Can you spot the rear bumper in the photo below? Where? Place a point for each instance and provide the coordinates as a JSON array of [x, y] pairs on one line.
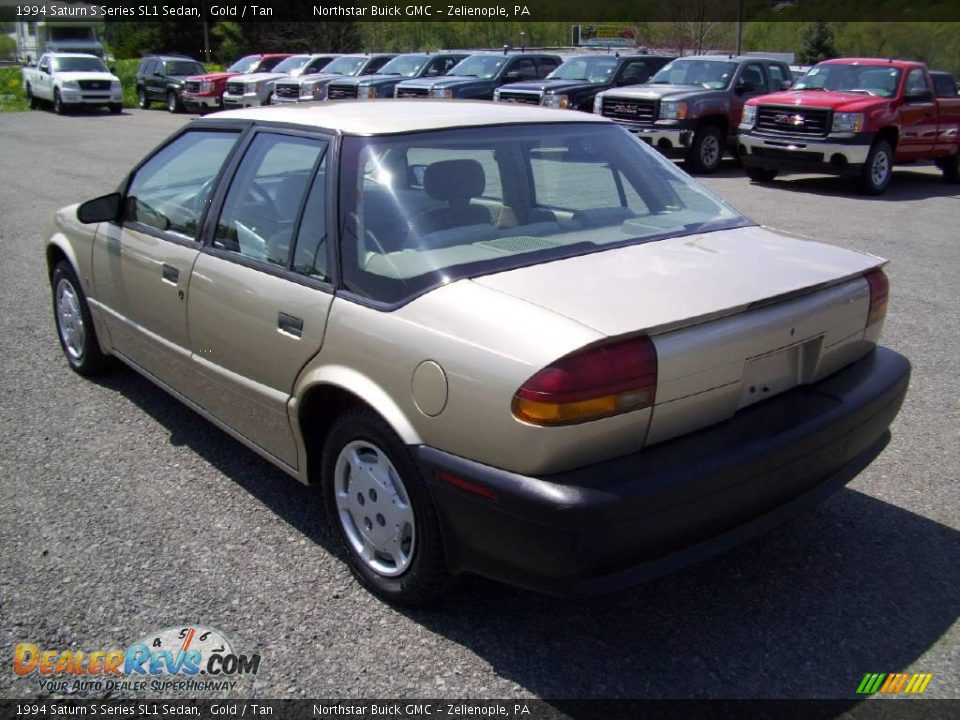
[[624, 521], [840, 156]]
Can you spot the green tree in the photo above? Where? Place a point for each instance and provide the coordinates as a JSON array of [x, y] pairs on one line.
[[8, 47], [818, 44]]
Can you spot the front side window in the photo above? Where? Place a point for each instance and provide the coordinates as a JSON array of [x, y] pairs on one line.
[[525, 68], [427, 208], [171, 190], [704, 73], [916, 82], [777, 78], [753, 73], [546, 66], [261, 207], [268, 64], [440, 66], [635, 72]]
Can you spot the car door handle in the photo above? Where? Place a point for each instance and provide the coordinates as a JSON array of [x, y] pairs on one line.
[[290, 325], [170, 273]]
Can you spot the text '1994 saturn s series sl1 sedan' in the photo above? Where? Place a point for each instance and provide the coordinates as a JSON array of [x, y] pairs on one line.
[[505, 340]]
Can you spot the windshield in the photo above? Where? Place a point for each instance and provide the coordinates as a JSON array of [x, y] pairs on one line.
[[245, 65], [423, 209], [184, 67], [78, 64], [879, 80], [292, 64], [405, 65], [481, 66], [598, 71], [345, 66], [704, 73]]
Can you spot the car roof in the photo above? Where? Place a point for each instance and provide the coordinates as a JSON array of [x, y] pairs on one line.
[[154, 56], [729, 58], [66, 54], [873, 61], [513, 53], [364, 118]]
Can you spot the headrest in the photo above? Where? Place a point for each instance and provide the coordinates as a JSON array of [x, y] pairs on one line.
[[454, 180]]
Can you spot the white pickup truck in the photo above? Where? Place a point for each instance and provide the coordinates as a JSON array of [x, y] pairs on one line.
[[70, 80]]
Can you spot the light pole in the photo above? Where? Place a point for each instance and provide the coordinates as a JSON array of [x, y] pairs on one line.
[[740, 27], [523, 38]]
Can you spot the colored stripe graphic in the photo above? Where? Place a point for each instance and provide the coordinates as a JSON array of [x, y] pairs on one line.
[[894, 683]]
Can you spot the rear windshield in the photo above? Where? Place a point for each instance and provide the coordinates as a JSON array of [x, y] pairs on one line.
[[704, 73], [423, 209], [590, 69], [78, 64], [880, 80]]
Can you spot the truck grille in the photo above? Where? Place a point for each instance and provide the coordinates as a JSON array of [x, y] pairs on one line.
[[412, 92], [235, 88], [94, 84], [191, 86], [287, 91], [643, 112], [516, 96], [340, 92], [793, 120]]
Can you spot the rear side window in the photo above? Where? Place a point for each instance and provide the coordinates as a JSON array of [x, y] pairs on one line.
[[375, 65], [268, 64], [944, 85], [260, 211], [777, 78], [170, 191]]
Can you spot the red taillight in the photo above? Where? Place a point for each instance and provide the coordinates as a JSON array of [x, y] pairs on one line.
[[879, 292], [590, 384]]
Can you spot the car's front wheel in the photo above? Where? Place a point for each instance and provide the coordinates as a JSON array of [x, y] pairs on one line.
[[58, 105], [706, 151], [380, 509], [31, 99], [757, 174], [877, 170], [78, 338]]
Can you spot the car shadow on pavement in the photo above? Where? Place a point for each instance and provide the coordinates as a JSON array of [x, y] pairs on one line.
[[857, 585], [905, 185]]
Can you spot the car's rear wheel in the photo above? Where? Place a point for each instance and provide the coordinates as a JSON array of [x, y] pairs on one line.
[[877, 170], [143, 102], [173, 102], [757, 174], [706, 151], [116, 108], [78, 338], [381, 511], [951, 168], [58, 105]]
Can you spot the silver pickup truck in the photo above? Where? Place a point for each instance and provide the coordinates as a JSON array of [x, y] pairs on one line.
[[71, 80]]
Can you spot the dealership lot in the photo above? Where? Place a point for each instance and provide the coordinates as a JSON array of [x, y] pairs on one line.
[[124, 513]]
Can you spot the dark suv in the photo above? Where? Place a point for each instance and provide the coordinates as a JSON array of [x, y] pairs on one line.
[[692, 106], [160, 78], [576, 83], [479, 75]]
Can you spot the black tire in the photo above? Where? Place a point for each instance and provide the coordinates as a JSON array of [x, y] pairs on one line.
[[83, 355], [706, 151], [116, 108], [173, 102], [32, 101], [877, 170], [757, 174], [951, 168], [425, 576], [59, 107], [143, 100]]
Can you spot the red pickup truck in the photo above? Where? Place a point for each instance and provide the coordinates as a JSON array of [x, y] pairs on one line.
[[855, 117], [205, 92]]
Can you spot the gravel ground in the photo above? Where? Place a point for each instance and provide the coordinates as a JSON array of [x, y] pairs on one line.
[[122, 512]]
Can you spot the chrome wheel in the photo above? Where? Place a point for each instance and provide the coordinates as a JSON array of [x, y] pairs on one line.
[[710, 151], [374, 508], [880, 169], [70, 320]]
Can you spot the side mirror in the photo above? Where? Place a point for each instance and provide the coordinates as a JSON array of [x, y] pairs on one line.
[[919, 96], [102, 209], [156, 73], [786, 85], [512, 75], [745, 86]]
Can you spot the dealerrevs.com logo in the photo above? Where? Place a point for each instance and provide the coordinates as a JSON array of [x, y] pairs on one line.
[[189, 658]]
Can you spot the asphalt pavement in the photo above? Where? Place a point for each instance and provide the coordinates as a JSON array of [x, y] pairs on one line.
[[122, 512]]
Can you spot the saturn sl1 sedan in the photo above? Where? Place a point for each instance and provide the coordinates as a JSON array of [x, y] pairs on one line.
[[504, 340]]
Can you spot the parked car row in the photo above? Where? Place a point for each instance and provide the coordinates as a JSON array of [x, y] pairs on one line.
[[855, 117]]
